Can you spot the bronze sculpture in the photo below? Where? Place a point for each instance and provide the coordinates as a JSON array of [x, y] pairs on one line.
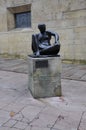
[[41, 42]]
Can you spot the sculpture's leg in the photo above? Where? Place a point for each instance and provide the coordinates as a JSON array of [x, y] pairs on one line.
[[34, 44], [52, 50]]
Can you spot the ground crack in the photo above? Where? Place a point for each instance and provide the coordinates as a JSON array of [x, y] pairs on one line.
[[80, 120], [60, 117]]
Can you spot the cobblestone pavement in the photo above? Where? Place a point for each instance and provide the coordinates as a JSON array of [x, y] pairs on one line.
[[20, 111]]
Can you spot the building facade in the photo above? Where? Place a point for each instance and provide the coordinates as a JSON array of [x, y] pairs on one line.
[[19, 20]]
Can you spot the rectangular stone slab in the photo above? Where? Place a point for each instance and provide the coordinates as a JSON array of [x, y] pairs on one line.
[[44, 76]]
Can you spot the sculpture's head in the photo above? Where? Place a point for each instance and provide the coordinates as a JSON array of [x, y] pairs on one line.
[[42, 28]]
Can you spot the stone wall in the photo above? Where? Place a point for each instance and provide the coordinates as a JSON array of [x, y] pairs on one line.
[[66, 17]]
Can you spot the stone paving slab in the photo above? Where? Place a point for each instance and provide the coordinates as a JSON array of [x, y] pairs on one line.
[[57, 113], [15, 65], [20, 111], [36, 128], [74, 71], [69, 71], [83, 122]]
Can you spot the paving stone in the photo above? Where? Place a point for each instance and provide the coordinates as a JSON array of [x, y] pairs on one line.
[[20, 125], [17, 65], [69, 73], [7, 128], [57, 113], [4, 117], [31, 101], [3, 104], [56, 104], [82, 67], [44, 120], [9, 63], [83, 122], [12, 80], [10, 123], [25, 120], [15, 107], [51, 111], [78, 74], [21, 68], [18, 117], [83, 77], [75, 91], [36, 128], [31, 112], [20, 65], [68, 120], [7, 97]]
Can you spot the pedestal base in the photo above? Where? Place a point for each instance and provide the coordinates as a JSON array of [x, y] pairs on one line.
[[44, 75]]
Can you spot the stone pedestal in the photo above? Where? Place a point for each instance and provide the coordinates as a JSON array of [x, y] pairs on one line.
[[44, 75]]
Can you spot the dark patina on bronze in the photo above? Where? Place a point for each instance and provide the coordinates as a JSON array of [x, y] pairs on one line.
[[41, 43]]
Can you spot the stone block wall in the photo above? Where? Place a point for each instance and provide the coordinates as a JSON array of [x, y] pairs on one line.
[[66, 17]]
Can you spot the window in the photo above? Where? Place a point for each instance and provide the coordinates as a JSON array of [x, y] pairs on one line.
[[19, 17], [23, 20]]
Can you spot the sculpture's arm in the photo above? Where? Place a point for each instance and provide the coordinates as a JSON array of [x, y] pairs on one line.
[[56, 36]]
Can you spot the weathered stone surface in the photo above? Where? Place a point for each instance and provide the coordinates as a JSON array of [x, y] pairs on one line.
[[29, 113], [36, 128], [10, 123], [20, 125], [44, 81], [63, 121], [67, 112], [66, 17], [4, 116], [83, 122]]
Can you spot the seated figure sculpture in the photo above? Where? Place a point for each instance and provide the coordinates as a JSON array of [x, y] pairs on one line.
[[41, 42]]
